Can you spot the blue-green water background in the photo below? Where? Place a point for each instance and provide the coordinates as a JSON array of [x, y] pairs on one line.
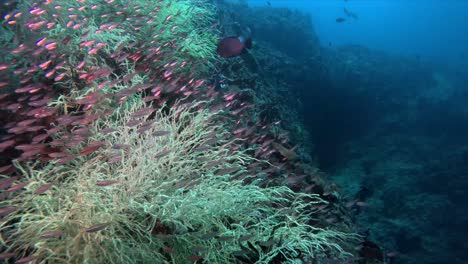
[[434, 29]]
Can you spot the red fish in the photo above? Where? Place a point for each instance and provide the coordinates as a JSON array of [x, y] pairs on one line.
[[92, 147], [230, 47]]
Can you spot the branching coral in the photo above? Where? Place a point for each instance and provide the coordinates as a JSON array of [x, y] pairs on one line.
[[159, 190], [154, 178]]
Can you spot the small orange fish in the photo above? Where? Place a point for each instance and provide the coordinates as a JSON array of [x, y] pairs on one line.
[[51, 45], [87, 44], [41, 41]]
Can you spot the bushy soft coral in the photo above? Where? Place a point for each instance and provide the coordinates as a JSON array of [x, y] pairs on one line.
[[163, 181]]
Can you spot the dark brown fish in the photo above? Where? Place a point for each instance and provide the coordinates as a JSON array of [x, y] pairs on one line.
[[34, 128], [103, 72], [89, 99], [144, 128], [114, 159], [161, 133], [267, 243], [227, 171], [39, 103], [81, 131], [128, 77], [92, 147], [168, 250], [124, 93], [7, 255], [209, 235], [7, 210], [133, 123], [121, 146], [17, 187], [7, 144], [39, 138], [194, 258], [143, 112], [65, 159], [67, 119], [42, 189], [52, 234], [26, 122], [143, 86], [340, 20], [26, 147], [6, 182], [57, 154], [54, 130], [162, 153], [245, 238], [106, 131], [5, 168], [96, 228], [225, 238], [149, 98], [106, 182], [198, 249], [25, 259]]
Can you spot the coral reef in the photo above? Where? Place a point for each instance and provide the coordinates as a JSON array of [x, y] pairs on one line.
[[117, 148], [146, 195]]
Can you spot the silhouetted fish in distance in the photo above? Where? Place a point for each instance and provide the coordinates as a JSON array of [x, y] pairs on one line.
[[340, 20], [350, 14], [234, 46]]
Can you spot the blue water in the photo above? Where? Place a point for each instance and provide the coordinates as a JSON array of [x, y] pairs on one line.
[[388, 116], [433, 29]]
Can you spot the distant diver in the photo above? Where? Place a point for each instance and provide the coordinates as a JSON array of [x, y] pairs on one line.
[[350, 14], [268, 3], [234, 46], [340, 20]]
